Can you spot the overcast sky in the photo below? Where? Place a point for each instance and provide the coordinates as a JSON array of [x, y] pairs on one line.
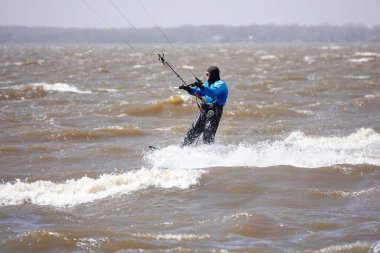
[[173, 13]]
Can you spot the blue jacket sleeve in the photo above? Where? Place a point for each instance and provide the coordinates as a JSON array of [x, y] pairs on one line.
[[218, 91], [196, 90], [215, 91]]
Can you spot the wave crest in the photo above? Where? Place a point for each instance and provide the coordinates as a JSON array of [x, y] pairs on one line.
[[74, 192], [37, 90], [298, 149]]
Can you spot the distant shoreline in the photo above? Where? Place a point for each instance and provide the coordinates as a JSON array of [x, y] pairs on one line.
[[192, 34]]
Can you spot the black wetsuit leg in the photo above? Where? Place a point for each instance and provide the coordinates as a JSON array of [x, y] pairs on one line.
[[212, 125], [195, 130], [207, 126]]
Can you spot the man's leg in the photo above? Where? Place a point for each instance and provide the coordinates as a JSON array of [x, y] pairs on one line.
[[212, 125], [195, 130]]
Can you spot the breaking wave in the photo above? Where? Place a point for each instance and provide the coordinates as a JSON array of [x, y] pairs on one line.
[[74, 192], [175, 167], [37, 90], [61, 87], [346, 194], [298, 149]]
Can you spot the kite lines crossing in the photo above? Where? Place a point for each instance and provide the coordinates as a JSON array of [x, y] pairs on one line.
[[122, 37]]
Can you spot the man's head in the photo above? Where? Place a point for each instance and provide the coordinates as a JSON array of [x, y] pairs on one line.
[[213, 74]]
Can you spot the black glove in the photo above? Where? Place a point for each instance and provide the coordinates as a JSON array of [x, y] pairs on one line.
[[198, 83], [185, 87]]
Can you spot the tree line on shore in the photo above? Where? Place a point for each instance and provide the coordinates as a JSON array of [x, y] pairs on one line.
[[192, 34]]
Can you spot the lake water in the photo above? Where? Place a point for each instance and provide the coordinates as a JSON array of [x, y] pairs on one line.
[[296, 165]]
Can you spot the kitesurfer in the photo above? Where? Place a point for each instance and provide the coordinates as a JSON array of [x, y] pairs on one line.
[[213, 94]]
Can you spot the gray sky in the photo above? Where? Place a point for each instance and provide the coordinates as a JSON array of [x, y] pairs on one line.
[[171, 13]]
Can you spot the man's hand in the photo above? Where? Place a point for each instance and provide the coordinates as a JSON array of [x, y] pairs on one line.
[[198, 83], [185, 87]]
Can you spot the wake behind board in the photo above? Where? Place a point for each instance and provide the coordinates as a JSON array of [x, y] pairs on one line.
[[153, 148]]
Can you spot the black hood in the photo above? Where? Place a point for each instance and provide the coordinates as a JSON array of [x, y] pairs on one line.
[[214, 74]]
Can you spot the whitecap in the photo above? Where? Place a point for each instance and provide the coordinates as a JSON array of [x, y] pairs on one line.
[[332, 47], [298, 149], [176, 167], [309, 59], [372, 96], [78, 191], [105, 90], [305, 112], [349, 247], [60, 87], [172, 237], [367, 54], [361, 60], [187, 67], [357, 77], [268, 57]]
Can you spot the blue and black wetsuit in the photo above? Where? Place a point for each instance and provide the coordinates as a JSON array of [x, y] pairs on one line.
[[215, 93]]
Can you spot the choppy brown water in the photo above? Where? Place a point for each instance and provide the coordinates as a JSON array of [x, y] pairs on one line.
[[296, 167]]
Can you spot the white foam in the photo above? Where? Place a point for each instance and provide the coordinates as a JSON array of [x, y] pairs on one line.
[[268, 57], [187, 67], [367, 54], [74, 192], [354, 194], [175, 167], [372, 96], [334, 47], [298, 149], [308, 59], [188, 99], [61, 87], [106, 90], [376, 247], [172, 237], [305, 112], [350, 247], [357, 77], [361, 60]]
